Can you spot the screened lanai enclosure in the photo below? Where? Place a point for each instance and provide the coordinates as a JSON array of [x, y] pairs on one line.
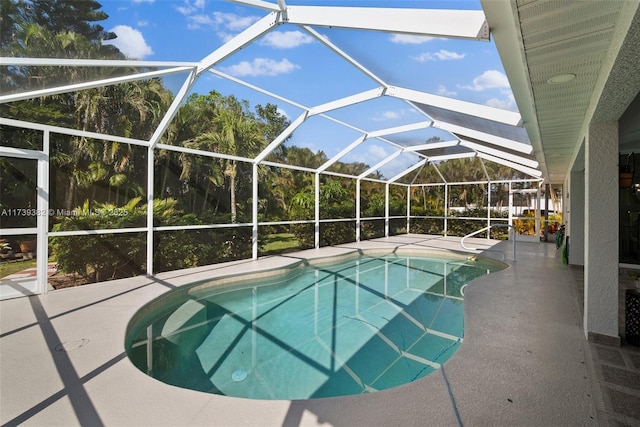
[[257, 128]]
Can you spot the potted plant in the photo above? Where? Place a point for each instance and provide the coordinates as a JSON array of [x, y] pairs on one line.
[[5, 250], [626, 172], [27, 246]]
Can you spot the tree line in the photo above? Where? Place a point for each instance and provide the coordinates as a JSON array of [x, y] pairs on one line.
[[189, 189]]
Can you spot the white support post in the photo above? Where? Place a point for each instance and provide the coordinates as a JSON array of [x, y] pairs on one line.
[[316, 228], [489, 209], [538, 211], [254, 215], [601, 233], [408, 208], [42, 224], [150, 178], [386, 210], [511, 209], [574, 214], [446, 207], [358, 210]]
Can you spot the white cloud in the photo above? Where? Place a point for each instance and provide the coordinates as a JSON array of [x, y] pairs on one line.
[[392, 115], [144, 23], [441, 55], [185, 10], [442, 90], [409, 39], [226, 25], [286, 39], [225, 37], [282, 112], [195, 22], [375, 154], [233, 22], [130, 42], [490, 79], [507, 103], [261, 67], [190, 7]]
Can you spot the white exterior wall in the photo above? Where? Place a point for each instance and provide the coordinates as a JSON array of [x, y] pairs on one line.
[[576, 217], [601, 230]]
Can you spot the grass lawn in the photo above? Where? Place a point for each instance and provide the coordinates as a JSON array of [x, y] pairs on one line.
[[280, 243], [7, 268]]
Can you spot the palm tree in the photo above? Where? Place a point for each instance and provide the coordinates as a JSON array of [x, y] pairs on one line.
[[233, 131]]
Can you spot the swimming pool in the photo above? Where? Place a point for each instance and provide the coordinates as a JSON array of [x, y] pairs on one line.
[[349, 326]]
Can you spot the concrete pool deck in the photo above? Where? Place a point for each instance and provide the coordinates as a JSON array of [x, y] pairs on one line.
[[524, 359]]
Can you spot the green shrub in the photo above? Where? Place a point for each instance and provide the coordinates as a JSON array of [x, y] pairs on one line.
[[102, 257]]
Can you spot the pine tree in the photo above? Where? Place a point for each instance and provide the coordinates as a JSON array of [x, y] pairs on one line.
[[74, 16]]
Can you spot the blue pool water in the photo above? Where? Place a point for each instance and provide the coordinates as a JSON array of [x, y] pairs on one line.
[[356, 326]]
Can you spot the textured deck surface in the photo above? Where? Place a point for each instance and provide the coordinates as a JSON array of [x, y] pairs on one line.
[[524, 359]]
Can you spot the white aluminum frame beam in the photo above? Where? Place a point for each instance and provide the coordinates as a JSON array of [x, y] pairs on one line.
[[253, 32], [256, 88], [173, 108], [344, 151], [280, 138], [477, 110], [462, 24], [72, 132], [433, 145], [92, 84], [379, 164], [486, 174], [375, 134], [204, 153], [343, 54], [416, 177], [498, 153], [22, 153], [451, 156], [513, 165], [408, 170], [400, 129], [459, 131], [347, 101], [80, 62], [259, 4], [292, 167]]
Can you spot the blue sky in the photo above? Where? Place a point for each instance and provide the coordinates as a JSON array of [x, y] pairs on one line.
[[291, 63]]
